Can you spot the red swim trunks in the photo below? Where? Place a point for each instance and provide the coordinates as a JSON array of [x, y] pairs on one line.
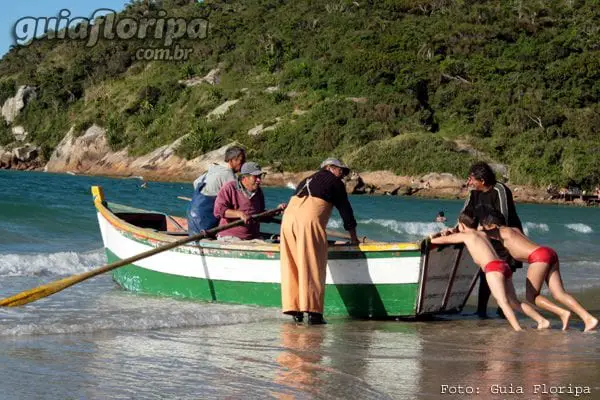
[[498, 266], [543, 254]]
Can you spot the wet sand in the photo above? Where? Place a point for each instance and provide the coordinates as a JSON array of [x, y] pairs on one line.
[[451, 357]]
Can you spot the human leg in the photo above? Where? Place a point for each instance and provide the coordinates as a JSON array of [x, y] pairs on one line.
[[496, 283], [557, 289], [536, 274], [483, 296], [524, 308], [289, 269]]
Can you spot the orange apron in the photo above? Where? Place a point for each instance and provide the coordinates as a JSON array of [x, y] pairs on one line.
[[304, 254]]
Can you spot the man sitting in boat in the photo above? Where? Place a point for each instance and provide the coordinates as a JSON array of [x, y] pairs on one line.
[[241, 199], [206, 187], [304, 240]]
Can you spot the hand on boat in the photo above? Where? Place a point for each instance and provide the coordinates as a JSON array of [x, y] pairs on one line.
[[282, 206]]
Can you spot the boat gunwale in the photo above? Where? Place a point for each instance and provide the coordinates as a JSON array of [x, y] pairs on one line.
[[159, 237]]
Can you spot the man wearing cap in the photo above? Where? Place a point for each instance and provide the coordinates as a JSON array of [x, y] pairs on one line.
[[304, 240], [241, 199], [206, 187]]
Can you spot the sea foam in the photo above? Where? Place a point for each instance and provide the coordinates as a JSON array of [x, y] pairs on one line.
[[49, 264], [532, 226], [581, 228]]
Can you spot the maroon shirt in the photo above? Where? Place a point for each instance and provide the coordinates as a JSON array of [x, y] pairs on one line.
[[233, 197]]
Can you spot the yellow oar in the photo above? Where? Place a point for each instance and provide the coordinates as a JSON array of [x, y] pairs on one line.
[[332, 233], [39, 292]]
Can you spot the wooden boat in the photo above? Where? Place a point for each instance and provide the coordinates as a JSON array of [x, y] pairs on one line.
[[368, 280]]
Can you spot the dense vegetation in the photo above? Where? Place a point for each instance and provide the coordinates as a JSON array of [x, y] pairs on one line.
[[516, 80]]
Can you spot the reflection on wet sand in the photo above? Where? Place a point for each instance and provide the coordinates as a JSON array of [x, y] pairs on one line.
[[356, 359], [489, 361], [300, 358]]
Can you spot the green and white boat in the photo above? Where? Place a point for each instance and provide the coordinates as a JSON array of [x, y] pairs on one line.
[[369, 280]]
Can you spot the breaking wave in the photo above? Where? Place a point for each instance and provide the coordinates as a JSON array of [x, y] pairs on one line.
[[407, 227], [113, 314], [50, 264], [581, 228], [532, 226]]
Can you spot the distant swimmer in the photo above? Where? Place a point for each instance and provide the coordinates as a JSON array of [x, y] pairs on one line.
[[543, 266], [497, 272], [440, 217], [144, 185]]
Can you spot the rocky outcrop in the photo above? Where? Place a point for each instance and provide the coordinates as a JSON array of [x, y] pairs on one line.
[[13, 105], [19, 133], [212, 78], [259, 129], [5, 158], [271, 89], [91, 154], [80, 154], [355, 184], [26, 157], [221, 110]]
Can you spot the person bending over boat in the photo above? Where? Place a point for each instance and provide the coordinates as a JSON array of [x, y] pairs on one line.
[[497, 272], [487, 194], [200, 211], [543, 266], [304, 240], [241, 199]]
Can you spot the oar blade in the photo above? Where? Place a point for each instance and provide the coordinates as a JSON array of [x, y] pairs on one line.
[[39, 292]]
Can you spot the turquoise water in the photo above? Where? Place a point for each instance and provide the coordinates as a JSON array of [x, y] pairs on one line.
[[52, 216], [108, 343]]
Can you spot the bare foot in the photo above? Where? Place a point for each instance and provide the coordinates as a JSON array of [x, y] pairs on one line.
[[565, 320], [591, 324], [543, 324]]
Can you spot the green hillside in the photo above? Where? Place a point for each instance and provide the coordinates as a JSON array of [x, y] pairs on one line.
[[385, 84]]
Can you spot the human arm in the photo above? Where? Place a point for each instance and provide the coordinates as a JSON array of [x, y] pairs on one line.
[[233, 214], [342, 203], [225, 205], [353, 236], [445, 232], [448, 239]]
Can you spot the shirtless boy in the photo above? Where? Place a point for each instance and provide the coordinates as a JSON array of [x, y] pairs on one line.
[[497, 272], [543, 266]]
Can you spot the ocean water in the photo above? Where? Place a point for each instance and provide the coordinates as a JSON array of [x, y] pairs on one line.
[[95, 340]]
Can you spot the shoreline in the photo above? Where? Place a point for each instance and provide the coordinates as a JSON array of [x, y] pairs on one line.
[[369, 183]]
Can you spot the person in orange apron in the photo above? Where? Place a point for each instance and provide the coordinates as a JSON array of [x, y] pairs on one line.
[[304, 240]]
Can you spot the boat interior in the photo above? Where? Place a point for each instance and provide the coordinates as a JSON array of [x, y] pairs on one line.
[[171, 225]]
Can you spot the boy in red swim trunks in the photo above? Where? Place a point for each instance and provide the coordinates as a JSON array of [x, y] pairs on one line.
[[543, 265], [497, 272]]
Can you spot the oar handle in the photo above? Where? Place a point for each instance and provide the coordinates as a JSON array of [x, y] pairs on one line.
[[39, 292]]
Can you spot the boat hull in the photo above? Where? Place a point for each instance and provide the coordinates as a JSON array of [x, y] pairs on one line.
[[361, 300], [371, 280]]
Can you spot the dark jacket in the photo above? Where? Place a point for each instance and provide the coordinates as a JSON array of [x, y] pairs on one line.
[[498, 198]]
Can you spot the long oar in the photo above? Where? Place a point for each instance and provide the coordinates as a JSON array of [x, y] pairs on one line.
[[39, 292], [332, 233]]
